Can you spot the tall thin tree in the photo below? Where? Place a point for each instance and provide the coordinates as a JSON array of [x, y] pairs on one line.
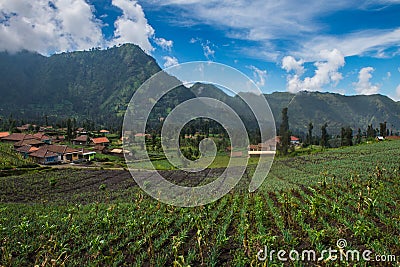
[[284, 132], [309, 135], [324, 135]]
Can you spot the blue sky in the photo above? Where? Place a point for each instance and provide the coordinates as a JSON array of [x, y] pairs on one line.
[[347, 47]]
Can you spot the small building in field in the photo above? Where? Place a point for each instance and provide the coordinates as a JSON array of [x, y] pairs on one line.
[[104, 132], [81, 140], [100, 141], [44, 156], [263, 149], [118, 152], [294, 140], [66, 154], [87, 154]]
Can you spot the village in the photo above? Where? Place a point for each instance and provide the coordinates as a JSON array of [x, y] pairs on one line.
[[49, 145]]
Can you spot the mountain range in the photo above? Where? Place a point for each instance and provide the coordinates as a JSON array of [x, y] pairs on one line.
[[97, 85]]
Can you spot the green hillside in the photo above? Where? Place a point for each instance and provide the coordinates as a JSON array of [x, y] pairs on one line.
[[336, 110], [97, 85], [91, 84]]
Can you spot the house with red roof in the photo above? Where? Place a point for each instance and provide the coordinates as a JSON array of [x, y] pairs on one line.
[[293, 140], [100, 141], [4, 134], [44, 156]]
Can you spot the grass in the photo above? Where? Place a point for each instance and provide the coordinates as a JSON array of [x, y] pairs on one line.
[[9, 159], [220, 161], [95, 217]]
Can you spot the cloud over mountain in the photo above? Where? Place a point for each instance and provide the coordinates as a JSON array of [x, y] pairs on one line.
[[55, 26], [326, 72], [364, 86]]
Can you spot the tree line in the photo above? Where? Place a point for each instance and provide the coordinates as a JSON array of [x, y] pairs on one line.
[[325, 140]]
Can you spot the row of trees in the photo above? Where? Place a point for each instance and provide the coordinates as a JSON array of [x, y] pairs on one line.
[[346, 135]]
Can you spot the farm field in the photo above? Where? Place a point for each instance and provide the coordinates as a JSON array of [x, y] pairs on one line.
[[80, 217]]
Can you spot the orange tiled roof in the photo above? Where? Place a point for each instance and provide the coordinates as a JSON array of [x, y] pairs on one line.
[[4, 134], [100, 140]]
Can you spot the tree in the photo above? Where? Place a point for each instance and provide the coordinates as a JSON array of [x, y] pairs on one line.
[[342, 136], [324, 135], [370, 132], [358, 136], [284, 132], [69, 130], [382, 129], [309, 138], [348, 136]]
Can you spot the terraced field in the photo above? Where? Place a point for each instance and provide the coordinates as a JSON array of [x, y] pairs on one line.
[[78, 217]]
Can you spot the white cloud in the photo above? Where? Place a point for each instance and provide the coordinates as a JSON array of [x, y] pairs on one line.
[[193, 40], [208, 52], [67, 25], [170, 61], [364, 86], [132, 26], [164, 44], [259, 75], [48, 26], [357, 43], [264, 21], [289, 63], [326, 72], [387, 77], [207, 46]]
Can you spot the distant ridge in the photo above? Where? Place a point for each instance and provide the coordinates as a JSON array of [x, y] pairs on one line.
[[96, 85]]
